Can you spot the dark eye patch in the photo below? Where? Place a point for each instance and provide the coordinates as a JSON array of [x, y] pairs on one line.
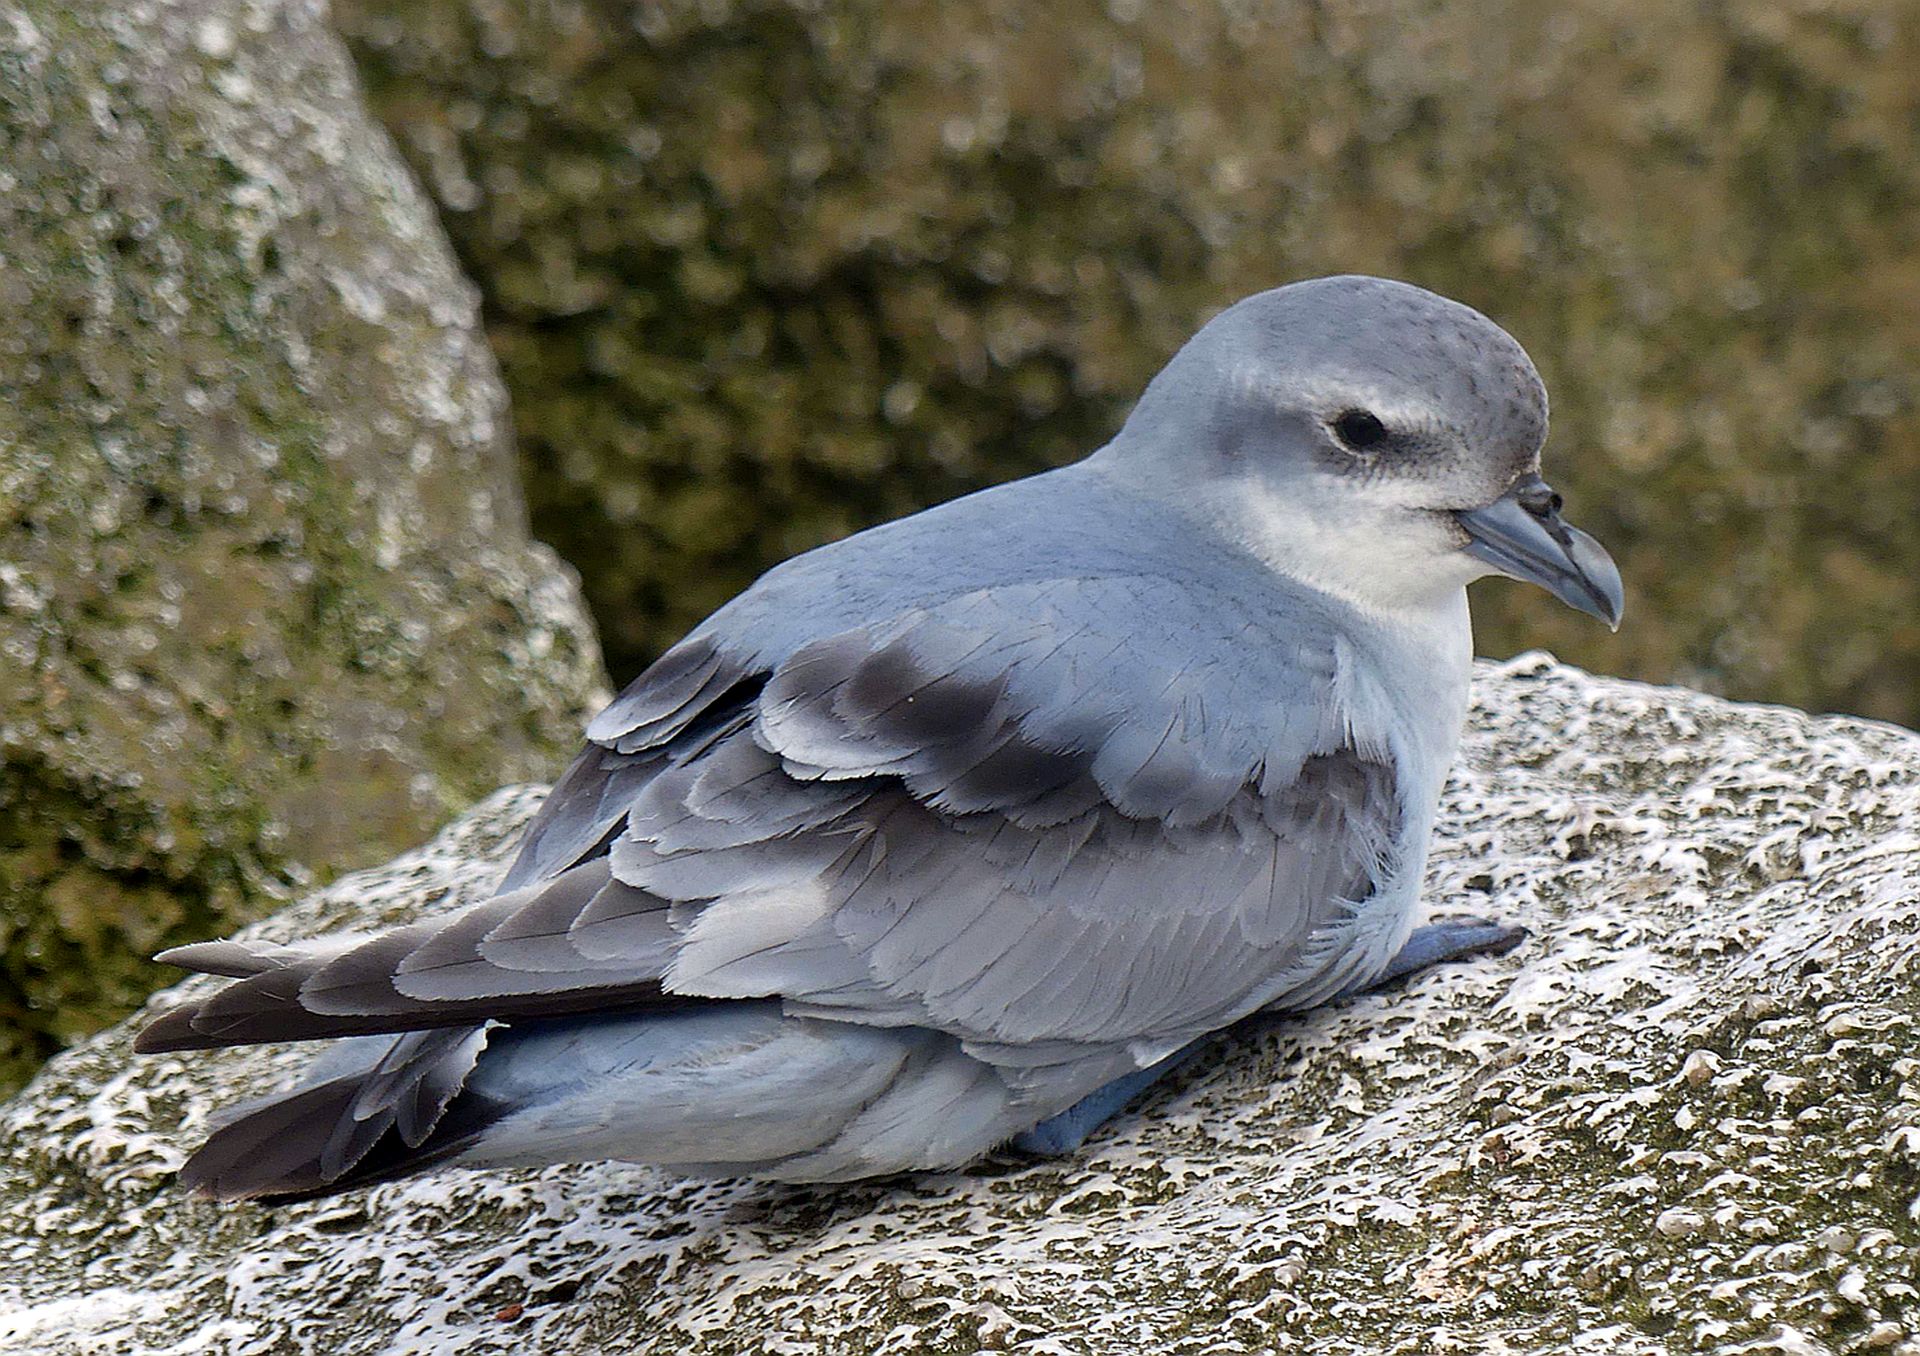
[[1361, 431]]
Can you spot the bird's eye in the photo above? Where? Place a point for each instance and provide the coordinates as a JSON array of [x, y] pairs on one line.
[[1360, 431]]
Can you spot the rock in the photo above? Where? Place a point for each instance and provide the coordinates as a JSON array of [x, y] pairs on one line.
[[1480, 1162], [763, 271], [268, 606]]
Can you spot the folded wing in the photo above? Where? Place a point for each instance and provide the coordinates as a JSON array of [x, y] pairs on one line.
[[1080, 810]]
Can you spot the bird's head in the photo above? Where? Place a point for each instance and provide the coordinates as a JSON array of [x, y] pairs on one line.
[[1367, 436]]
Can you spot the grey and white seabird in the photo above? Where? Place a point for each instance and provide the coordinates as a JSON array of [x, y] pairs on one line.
[[961, 830]]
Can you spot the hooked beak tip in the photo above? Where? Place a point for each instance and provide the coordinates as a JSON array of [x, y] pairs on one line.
[[1522, 536]]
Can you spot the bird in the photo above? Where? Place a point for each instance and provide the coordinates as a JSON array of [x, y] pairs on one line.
[[959, 832]]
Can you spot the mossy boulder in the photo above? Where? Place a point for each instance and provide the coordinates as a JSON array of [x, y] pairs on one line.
[[1681, 1118], [268, 605], [763, 271]]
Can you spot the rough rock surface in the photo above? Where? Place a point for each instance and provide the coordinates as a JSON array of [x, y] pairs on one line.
[[761, 271], [1684, 1117], [268, 606]]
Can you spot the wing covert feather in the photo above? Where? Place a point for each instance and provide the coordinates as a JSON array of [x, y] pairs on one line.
[[1079, 810]]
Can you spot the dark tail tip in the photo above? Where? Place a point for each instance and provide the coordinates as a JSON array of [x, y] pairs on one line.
[[288, 1148], [272, 1149]]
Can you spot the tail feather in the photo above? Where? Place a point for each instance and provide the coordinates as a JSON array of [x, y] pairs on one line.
[[385, 1121], [269, 1147]]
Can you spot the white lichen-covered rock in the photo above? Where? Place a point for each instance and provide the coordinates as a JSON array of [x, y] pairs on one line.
[[1684, 1117]]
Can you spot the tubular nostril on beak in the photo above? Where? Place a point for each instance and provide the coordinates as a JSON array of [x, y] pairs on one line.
[[1537, 497]]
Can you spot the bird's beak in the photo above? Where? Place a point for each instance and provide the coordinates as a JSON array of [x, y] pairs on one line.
[[1522, 536]]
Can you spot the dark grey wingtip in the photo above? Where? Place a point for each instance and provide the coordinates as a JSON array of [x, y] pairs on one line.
[[235, 960], [171, 1031]]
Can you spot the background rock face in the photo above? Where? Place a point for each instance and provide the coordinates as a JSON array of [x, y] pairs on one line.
[[268, 607], [761, 272], [1682, 1118]]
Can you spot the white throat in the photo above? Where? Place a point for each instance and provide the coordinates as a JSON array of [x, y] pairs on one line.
[[1388, 565]]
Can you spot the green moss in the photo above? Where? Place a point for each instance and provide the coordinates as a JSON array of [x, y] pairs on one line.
[[267, 609], [764, 272], [89, 893]]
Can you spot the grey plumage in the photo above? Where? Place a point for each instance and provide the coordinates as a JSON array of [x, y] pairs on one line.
[[936, 830]]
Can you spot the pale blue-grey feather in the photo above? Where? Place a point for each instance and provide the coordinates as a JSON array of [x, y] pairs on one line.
[[906, 888], [407, 1090]]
